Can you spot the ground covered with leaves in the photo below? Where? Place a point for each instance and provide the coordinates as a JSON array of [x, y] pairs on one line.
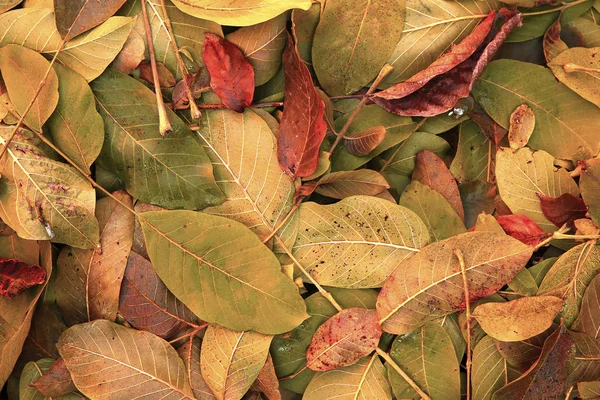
[[338, 199]]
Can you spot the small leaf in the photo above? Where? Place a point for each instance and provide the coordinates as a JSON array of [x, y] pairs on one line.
[[343, 339], [588, 390], [34, 370], [302, 126], [588, 320], [590, 188], [190, 354], [518, 319], [522, 228], [362, 143], [231, 75], [429, 284], [564, 209], [143, 364], [16, 276], [76, 17], [522, 123], [230, 360], [56, 381], [339, 185]]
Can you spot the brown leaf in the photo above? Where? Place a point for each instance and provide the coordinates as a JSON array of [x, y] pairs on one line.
[[189, 352], [302, 127], [74, 17], [343, 339], [430, 170], [362, 143], [267, 381], [56, 381], [490, 128], [16, 276], [451, 77], [553, 44], [586, 226], [523, 354], [522, 122], [522, 228], [132, 53], [147, 304], [342, 184], [198, 83], [165, 77], [231, 75], [564, 209], [547, 378]]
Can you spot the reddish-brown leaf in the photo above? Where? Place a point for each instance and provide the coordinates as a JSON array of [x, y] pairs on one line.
[[165, 77], [56, 381], [522, 228], [492, 131], [16, 276], [343, 339], [267, 381], [562, 210], [431, 170], [437, 88], [302, 127], [231, 75], [362, 143]]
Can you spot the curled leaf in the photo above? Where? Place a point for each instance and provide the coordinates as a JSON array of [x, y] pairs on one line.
[[16, 276]]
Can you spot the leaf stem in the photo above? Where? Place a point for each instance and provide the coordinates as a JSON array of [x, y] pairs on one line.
[[564, 6], [194, 111], [163, 117], [571, 67], [190, 334], [283, 221], [560, 234], [385, 71], [403, 374], [256, 105], [463, 271]]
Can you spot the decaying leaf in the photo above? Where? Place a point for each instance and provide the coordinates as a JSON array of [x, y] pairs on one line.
[[16, 276], [56, 381], [522, 123]]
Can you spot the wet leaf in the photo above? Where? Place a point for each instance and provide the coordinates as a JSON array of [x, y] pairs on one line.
[[231, 75], [362, 143], [522, 123], [564, 209], [302, 126], [16, 276], [339, 185], [56, 381], [588, 320], [429, 284], [522, 228], [590, 188]]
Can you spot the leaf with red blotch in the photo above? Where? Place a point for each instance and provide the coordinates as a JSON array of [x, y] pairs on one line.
[[564, 209], [437, 88], [302, 127], [343, 339], [431, 170], [56, 381], [16, 276], [522, 228], [231, 75]]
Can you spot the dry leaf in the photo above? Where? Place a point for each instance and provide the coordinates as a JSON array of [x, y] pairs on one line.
[[522, 122], [522, 228], [564, 209], [56, 381], [362, 143], [16, 276]]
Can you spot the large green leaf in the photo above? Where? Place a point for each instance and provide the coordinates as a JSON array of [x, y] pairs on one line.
[[566, 124], [472, 154], [357, 242], [243, 153], [222, 271], [173, 171], [353, 40], [43, 199]]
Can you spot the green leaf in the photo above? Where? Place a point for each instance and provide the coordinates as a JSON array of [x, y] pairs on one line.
[[353, 40], [477, 197], [428, 358], [138, 363], [490, 370], [523, 174], [304, 25], [579, 70], [357, 242], [566, 124], [471, 160], [44, 199], [239, 13], [75, 126], [224, 274], [22, 71], [342, 184], [173, 171]]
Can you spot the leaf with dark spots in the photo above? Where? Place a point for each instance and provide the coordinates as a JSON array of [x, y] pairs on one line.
[[547, 378], [343, 339], [231, 75], [564, 209], [56, 381], [437, 88], [16, 276], [522, 228], [302, 127], [74, 17]]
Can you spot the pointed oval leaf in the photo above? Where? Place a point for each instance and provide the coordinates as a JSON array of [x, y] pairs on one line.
[[342, 184], [522, 123], [429, 284], [563, 210], [33, 371], [225, 274], [190, 354], [76, 17], [357, 242], [143, 364], [173, 171], [362, 143], [56, 381], [579, 69], [22, 70], [522, 228], [230, 361]]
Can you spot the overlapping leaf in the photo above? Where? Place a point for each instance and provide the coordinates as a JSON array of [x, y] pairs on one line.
[[590, 188], [342, 184], [76, 17]]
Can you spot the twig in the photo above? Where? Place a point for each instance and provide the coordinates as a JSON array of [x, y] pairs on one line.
[[385, 71], [194, 111], [283, 221], [569, 393], [403, 374], [560, 235], [463, 271], [256, 105], [163, 117], [190, 334]]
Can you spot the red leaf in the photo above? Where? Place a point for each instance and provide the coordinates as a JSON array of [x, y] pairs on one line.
[[344, 339], [562, 210], [56, 381], [437, 88], [302, 127], [231, 75], [430, 170], [16, 276], [522, 228]]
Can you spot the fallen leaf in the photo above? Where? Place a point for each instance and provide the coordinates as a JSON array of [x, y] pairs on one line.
[[362, 143], [490, 371], [522, 228], [564, 209], [588, 319], [477, 197], [553, 44], [132, 53], [16, 276], [589, 390], [579, 70], [165, 77], [586, 226], [56, 381], [34, 370], [522, 123], [472, 160], [586, 365], [231, 75], [343, 339], [190, 354], [302, 126], [339, 185], [267, 382], [590, 188], [76, 17]]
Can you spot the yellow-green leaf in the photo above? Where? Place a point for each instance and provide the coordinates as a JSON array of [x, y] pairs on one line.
[[490, 370], [590, 188], [579, 69]]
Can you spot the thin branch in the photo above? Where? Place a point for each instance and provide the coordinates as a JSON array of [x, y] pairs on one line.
[[403, 374], [283, 221], [163, 117], [256, 105], [190, 334], [463, 271], [560, 235]]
